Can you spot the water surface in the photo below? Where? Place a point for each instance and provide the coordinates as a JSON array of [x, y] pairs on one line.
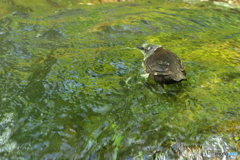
[[63, 71]]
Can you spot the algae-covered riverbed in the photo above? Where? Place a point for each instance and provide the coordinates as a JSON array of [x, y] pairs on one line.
[[63, 67]]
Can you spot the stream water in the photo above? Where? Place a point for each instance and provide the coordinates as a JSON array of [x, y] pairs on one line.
[[62, 81]]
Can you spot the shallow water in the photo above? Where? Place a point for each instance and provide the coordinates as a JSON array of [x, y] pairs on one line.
[[63, 71]]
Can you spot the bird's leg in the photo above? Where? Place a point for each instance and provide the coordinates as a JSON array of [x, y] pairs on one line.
[[161, 90], [162, 85], [145, 76]]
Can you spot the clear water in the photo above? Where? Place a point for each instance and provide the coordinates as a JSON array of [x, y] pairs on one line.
[[63, 69]]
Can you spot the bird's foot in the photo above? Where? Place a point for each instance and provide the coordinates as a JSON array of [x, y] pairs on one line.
[[145, 76]]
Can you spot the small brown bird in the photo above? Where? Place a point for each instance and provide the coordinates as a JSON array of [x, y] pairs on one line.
[[164, 66]]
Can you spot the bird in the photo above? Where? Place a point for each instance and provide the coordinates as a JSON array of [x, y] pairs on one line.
[[164, 66]]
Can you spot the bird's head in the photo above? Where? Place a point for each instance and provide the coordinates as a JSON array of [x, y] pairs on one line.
[[148, 49]]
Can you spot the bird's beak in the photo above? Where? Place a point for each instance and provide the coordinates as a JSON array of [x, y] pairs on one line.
[[141, 48]]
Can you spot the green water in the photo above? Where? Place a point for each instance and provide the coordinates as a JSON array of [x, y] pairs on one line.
[[63, 71]]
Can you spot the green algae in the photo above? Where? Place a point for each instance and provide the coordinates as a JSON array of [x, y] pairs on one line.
[[64, 73]]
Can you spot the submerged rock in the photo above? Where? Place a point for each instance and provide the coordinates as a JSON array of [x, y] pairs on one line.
[[164, 66]]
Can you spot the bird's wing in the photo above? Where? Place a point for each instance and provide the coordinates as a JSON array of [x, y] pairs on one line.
[[158, 68], [182, 68]]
